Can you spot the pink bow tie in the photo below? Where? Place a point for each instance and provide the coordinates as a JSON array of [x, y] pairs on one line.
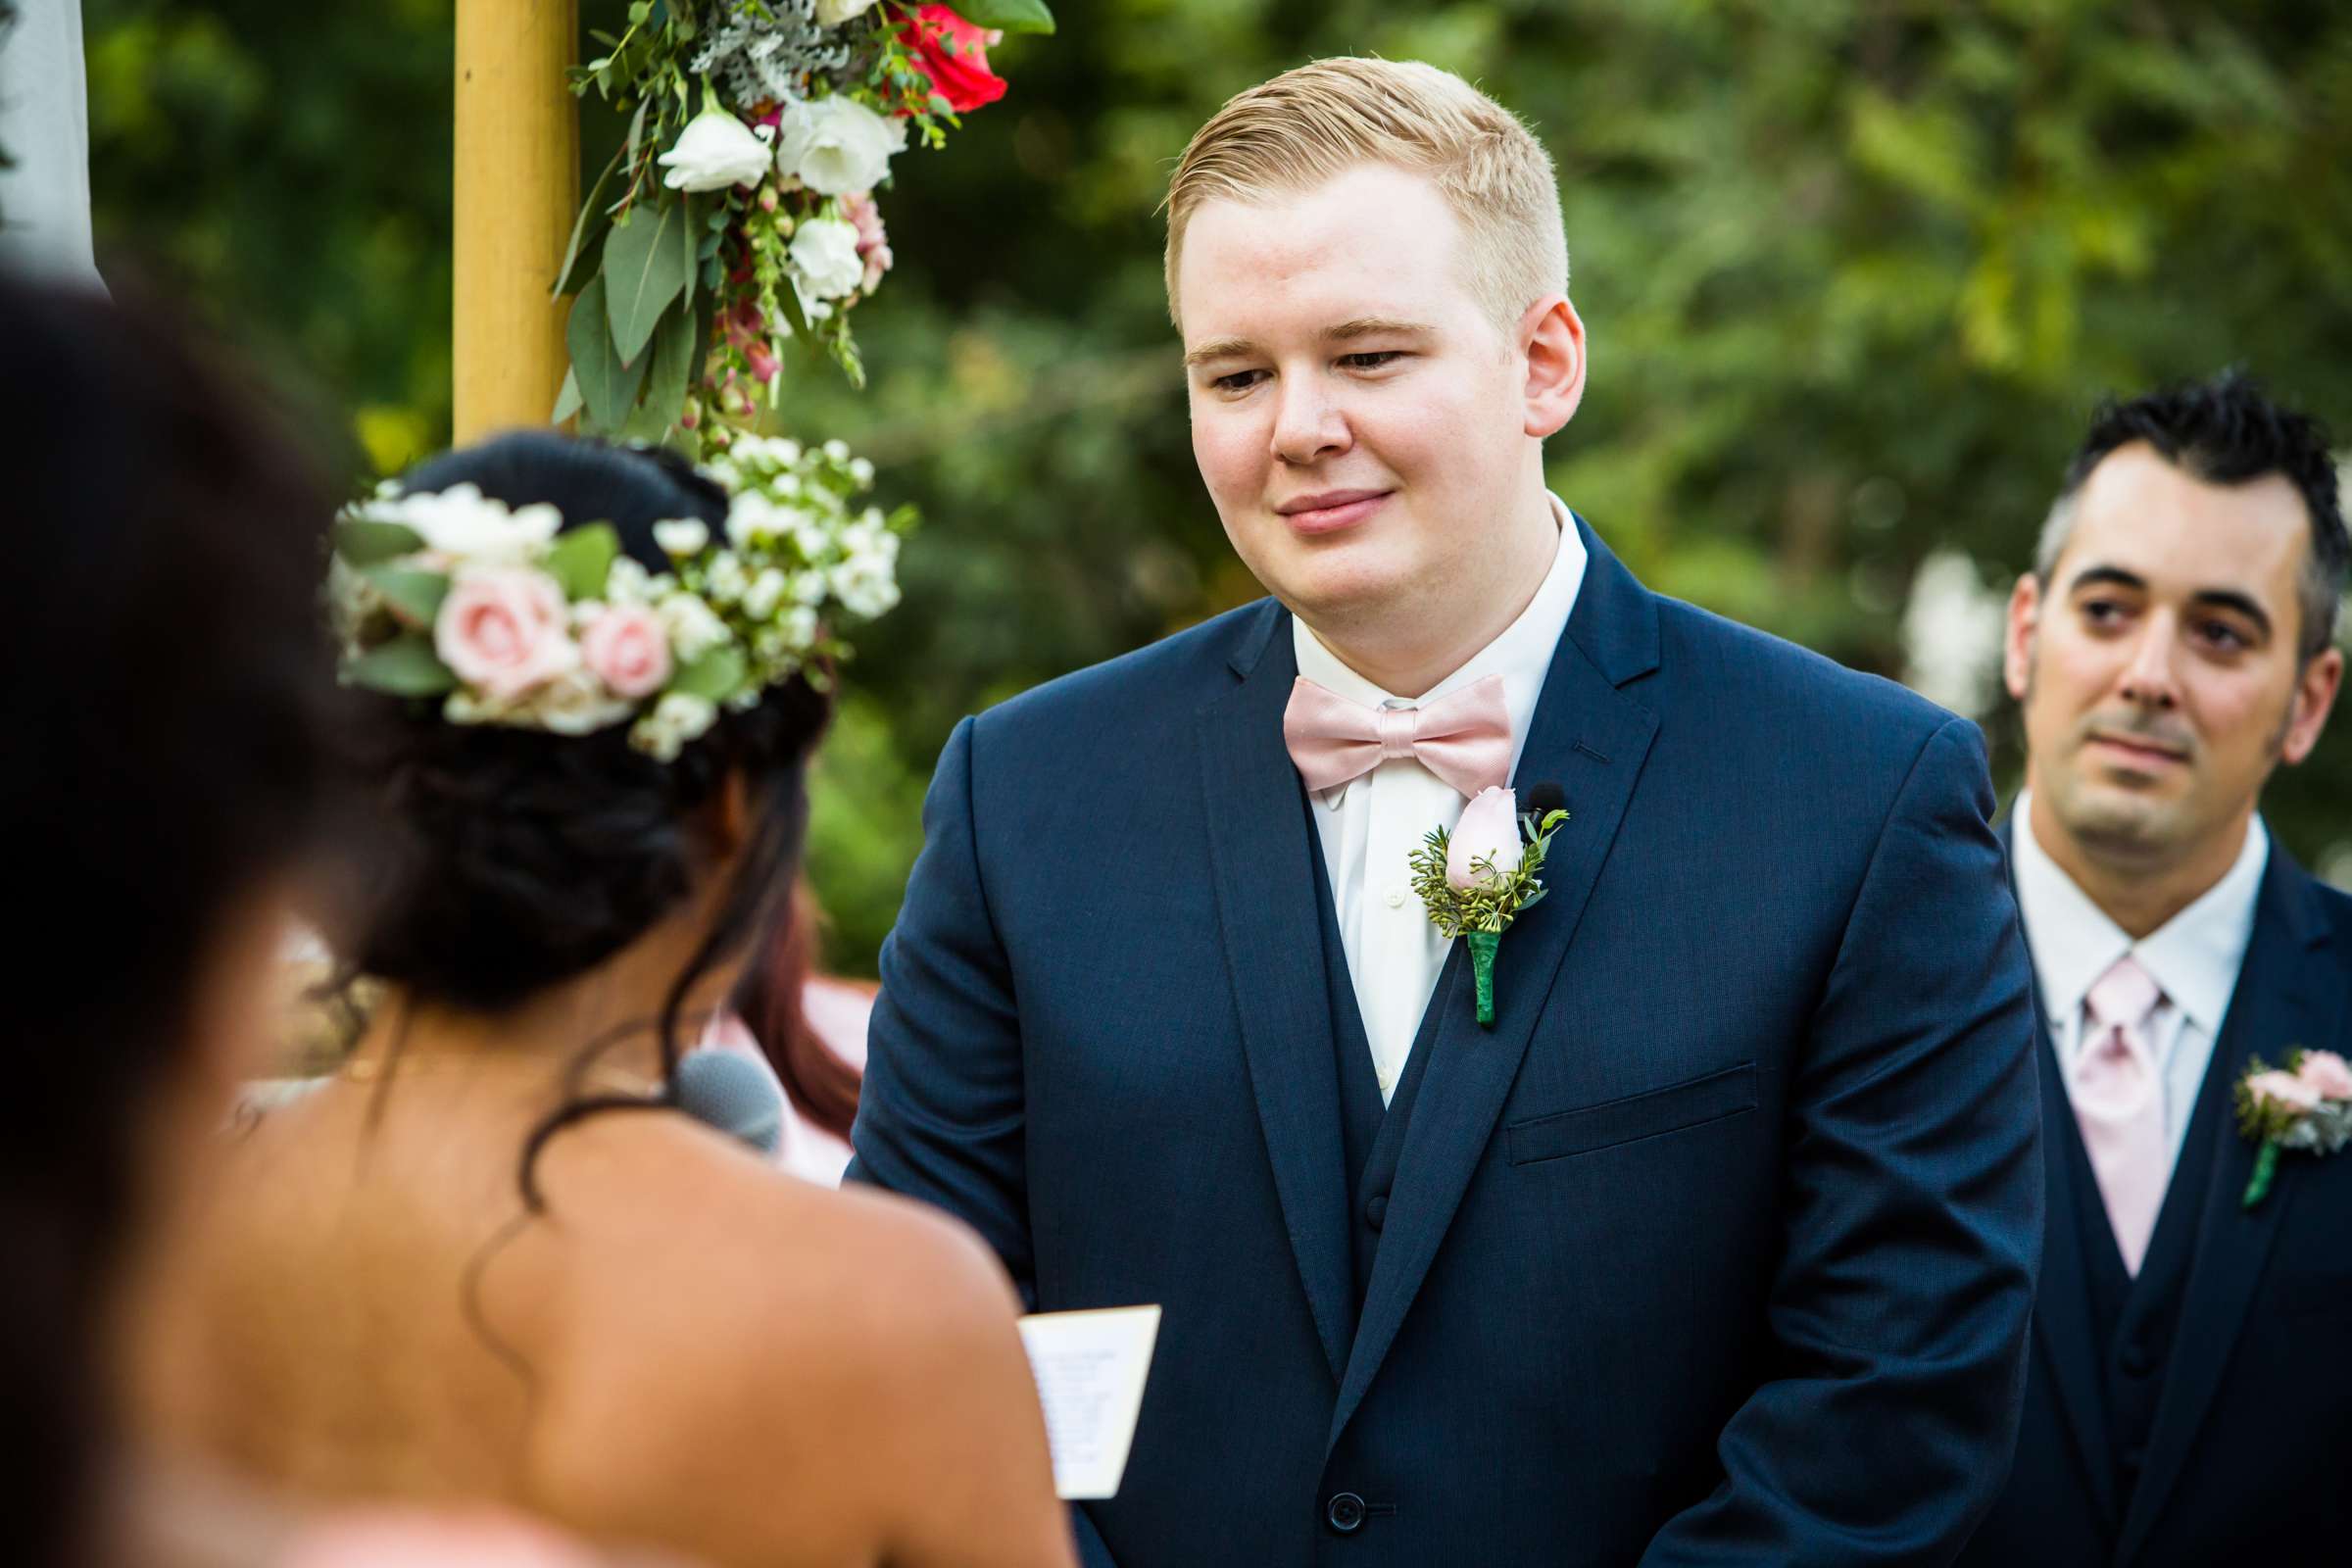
[[1464, 739]]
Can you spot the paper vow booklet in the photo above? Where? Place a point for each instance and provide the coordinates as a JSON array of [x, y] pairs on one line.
[[1090, 1369]]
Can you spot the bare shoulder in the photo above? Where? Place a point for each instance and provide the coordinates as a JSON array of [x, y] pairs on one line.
[[795, 1359]]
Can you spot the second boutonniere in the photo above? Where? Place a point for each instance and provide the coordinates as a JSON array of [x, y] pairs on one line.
[[2306, 1107], [1476, 880]]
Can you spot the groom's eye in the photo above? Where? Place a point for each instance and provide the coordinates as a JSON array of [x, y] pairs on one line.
[[1238, 382], [1371, 361]]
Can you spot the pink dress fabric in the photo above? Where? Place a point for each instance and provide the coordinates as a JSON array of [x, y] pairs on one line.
[[399, 1539], [837, 1010]]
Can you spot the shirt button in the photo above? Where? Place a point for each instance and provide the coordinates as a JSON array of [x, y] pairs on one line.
[[1396, 898]]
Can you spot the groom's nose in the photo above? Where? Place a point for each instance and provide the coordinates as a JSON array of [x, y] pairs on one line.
[[1307, 422]]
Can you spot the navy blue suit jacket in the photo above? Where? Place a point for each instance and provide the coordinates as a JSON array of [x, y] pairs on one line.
[[2246, 1458], [1718, 1246]]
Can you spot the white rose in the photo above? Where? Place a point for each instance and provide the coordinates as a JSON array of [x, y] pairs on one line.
[[464, 524], [575, 703], [837, 145], [825, 252], [715, 150], [833, 13]]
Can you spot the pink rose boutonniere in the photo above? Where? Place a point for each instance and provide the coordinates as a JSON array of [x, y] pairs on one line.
[[2306, 1107], [1476, 880]]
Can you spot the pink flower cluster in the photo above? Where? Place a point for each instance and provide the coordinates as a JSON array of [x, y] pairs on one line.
[[2320, 1075], [860, 210], [503, 630]]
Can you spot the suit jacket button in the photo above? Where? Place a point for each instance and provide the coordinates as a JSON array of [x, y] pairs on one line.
[[1344, 1512], [1376, 1209]]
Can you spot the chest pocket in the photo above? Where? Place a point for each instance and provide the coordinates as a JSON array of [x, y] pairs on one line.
[[1672, 1110]]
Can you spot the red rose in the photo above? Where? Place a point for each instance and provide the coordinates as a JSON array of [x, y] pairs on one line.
[[963, 77]]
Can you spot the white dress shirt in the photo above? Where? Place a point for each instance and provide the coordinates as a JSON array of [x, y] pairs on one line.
[[1370, 826], [2194, 958]]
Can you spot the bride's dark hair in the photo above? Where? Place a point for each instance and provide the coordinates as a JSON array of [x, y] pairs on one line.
[[166, 688], [498, 861]]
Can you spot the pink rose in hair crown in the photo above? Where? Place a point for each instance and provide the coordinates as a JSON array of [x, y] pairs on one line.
[[2326, 1074], [1487, 831], [963, 77], [500, 630], [627, 647]]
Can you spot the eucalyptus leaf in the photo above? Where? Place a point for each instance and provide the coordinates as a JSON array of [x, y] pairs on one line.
[[582, 558], [1013, 15], [567, 401], [713, 677], [608, 384], [362, 541], [587, 230], [674, 363], [644, 268], [405, 666], [414, 595]]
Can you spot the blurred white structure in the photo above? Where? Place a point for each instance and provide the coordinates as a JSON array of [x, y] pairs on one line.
[[45, 131], [1952, 630]]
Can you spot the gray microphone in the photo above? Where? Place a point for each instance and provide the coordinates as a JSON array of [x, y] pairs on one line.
[[722, 1090]]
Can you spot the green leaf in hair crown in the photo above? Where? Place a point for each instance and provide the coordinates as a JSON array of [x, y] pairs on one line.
[[518, 617], [1476, 879]]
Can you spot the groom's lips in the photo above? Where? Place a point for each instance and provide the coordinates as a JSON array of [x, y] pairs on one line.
[[1329, 511]]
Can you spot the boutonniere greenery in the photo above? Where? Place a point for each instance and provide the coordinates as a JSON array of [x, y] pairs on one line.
[[2306, 1107], [1476, 880]]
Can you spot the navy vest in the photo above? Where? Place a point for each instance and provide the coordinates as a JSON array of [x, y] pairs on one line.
[[2136, 1318]]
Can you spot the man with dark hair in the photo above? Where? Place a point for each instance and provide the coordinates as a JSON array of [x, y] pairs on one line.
[[2189, 1399]]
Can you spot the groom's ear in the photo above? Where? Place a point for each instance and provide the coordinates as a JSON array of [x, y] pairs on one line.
[[1552, 344], [2017, 645]]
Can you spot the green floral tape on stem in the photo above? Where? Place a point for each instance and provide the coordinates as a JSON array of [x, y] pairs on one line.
[[2266, 1167], [1482, 968]]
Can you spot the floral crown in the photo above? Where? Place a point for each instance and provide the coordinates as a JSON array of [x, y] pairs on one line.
[[509, 619]]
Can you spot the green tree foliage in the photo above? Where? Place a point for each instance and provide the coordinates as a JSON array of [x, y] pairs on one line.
[[1854, 272]]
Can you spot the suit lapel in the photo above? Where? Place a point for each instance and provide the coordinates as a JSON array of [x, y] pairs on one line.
[[2277, 1005], [2062, 1323], [1591, 739], [1260, 843]]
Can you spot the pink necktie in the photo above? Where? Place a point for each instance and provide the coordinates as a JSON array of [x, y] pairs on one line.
[[2119, 1105], [1464, 739]]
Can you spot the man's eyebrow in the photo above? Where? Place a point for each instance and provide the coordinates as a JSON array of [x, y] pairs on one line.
[[1367, 325], [2234, 599], [1219, 348], [1234, 348], [2110, 576]]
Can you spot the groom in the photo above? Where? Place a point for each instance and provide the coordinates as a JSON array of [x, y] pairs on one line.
[[1718, 1246]]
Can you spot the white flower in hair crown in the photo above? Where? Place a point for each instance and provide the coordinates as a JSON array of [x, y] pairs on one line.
[[506, 617]]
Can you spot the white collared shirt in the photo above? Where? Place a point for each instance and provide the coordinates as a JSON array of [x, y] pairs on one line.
[[2193, 957], [1370, 826]]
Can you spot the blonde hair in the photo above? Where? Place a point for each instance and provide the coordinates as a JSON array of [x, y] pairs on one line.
[[1322, 118]]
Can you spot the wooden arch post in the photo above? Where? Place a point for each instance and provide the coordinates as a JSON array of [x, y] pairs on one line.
[[516, 186]]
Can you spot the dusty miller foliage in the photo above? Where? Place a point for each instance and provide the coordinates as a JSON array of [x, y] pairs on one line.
[[769, 49]]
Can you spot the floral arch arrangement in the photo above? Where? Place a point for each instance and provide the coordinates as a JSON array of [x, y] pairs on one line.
[[740, 213]]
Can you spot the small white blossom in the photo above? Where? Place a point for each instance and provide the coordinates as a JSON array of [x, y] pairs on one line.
[[809, 588], [693, 628], [766, 590], [675, 720], [838, 449], [714, 150], [726, 578], [825, 252], [628, 583], [462, 523], [866, 586], [689, 536], [800, 628], [861, 470], [575, 703]]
